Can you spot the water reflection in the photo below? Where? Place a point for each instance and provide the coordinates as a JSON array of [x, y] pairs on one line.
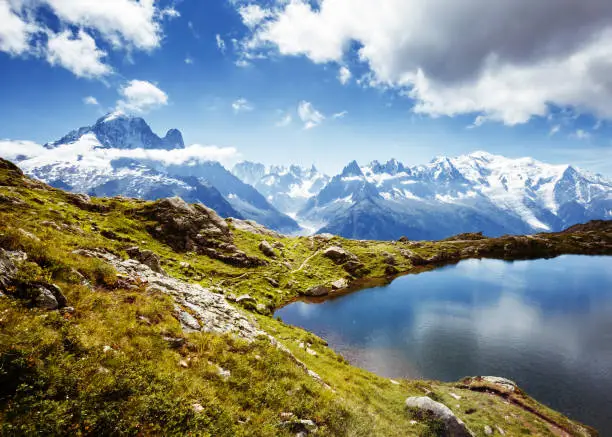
[[545, 323]]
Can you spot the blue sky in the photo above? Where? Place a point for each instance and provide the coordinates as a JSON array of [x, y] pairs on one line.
[[236, 73]]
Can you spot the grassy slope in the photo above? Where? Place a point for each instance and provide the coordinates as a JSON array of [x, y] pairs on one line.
[[56, 377]]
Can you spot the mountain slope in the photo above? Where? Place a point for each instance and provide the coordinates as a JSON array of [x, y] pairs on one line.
[[120, 155], [287, 188], [471, 193], [119, 312]]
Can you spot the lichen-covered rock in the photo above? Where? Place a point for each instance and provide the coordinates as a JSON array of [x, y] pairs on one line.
[[414, 258], [267, 249], [195, 228], [42, 295], [453, 426], [339, 255], [197, 308], [254, 228]]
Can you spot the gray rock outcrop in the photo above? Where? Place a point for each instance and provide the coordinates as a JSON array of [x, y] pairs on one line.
[[453, 426]]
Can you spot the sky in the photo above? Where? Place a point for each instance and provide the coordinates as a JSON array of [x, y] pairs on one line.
[[319, 82]]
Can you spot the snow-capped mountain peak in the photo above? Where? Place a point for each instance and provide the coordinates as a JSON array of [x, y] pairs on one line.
[[118, 130]]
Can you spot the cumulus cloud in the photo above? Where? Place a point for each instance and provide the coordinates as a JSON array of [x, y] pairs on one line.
[[77, 53], [242, 105], [141, 96], [15, 32], [309, 115], [123, 24], [344, 75], [91, 100], [506, 60]]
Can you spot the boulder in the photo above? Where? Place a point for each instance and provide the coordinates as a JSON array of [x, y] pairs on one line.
[[195, 228], [453, 426], [146, 257], [338, 255], [43, 295], [339, 284], [317, 291], [414, 258], [267, 249], [503, 383]]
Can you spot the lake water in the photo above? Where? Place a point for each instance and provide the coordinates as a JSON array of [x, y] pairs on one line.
[[547, 324]]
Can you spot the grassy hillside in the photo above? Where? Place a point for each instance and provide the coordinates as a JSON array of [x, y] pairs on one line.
[[119, 356]]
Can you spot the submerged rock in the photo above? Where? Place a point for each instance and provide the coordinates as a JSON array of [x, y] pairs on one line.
[[453, 426]]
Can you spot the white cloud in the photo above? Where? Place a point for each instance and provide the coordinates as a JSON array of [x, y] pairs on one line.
[[581, 134], [18, 150], [77, 53], [242, 63], [284, 121], [431, 51], [121, 22], [309, 115], [96, 157], [91, 100], [170, 12], [15, 32], [125, 24], [220, 43], [344, 75], [242, 105], [141, 96], [188, 60], [340, 114], [253, 14]]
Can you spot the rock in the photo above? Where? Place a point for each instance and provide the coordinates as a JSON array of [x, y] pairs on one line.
[[197, 408], [245, 298], [316, 291], [338, 255], [174, 342], [467, 236], [355, 268], [42, 295], [278, 245], [7, 270], [254, 228], [403, 239], [267, 249], [456, 396], [339, 284], [44, 299], [453, 426], [391, 270], [273, 282], [184, 265], [146, 257], [503, 383], [67, 310], [488, 430], [389, 259], [195, 228], [184, 364], [223, 373], [301, 427], [414, 258]]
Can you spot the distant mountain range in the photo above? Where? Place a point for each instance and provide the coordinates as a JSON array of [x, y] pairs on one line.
[[471, 193]]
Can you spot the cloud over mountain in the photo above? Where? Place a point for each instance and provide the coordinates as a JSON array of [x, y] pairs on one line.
[[506, 60]]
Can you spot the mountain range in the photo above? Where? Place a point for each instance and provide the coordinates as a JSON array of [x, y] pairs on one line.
[[479, 192]]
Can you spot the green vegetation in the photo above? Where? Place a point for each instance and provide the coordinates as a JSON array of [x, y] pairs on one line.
[[118, 361]]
